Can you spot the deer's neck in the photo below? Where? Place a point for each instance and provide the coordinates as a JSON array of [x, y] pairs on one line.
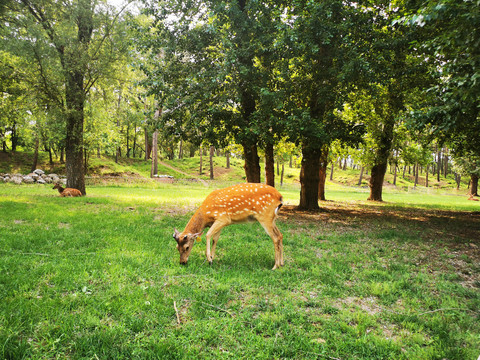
[[60, 189], [196, 223]]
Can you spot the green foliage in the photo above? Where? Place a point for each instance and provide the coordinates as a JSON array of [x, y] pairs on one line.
[[450, 110]]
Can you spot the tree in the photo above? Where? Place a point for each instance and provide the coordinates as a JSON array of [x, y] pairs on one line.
[[450, 110], [211, 68], [324, 62], [71, 45]]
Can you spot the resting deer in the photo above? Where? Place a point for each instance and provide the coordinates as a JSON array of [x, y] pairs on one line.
[[471, 197], [67, 192], [232, 205]]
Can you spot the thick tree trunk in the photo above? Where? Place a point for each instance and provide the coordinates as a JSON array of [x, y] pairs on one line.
[[74, 139], [379, 168], [252, 163], [269, 165], [376, 181], [309, 178], [474, 185]]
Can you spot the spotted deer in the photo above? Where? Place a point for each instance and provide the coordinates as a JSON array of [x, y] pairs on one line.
[[67, 192], [233, 205]]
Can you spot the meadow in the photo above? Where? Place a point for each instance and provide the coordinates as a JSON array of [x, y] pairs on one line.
[[98, 277]]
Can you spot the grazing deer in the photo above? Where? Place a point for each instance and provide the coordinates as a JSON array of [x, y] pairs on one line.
[[67, 192], [233, 205]]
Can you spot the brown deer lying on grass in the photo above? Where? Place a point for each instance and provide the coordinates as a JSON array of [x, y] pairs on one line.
[[67, 192], [232, 205], [471, 197]]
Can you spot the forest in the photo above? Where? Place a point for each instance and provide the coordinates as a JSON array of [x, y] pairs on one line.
[[382, 84]]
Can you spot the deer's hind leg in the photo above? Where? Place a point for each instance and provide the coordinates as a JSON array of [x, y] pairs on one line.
[[277, 237]]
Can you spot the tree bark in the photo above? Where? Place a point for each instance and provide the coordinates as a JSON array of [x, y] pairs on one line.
[[322, 175], [180, 150], [154, 167], [74, 139], [281, 175], [148, 145], [227, 156], [269, 165], [309, 178], [474, 185], [377, 176], [426, 176], [252, 163], [379, 168], [361, 177], [212, 151], [201, 161]]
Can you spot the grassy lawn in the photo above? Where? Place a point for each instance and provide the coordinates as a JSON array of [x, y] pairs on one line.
[[98, 277]]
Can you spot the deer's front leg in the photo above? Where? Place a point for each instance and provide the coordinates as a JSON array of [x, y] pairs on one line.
[[214, 233]]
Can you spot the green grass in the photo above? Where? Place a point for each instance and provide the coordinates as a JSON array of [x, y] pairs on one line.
[[98, 277]]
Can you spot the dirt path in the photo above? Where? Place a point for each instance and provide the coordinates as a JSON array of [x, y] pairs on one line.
[[182, 172]]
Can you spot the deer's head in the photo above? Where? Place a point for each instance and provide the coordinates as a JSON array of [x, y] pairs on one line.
[[185, 243]]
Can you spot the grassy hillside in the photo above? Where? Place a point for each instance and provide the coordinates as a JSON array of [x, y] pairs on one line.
[[137, 169]]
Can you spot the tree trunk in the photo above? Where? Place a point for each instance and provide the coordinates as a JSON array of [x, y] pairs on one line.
[[474, 185], [281, 175], [309, 178], [148, 146], [227, 155], [445, 163], [212, 152], [74, 138], [14, 136], [416, 174], [426, 176], [376, 181], [201, 161], [379, 169], [395, 175], [180, 150], [154, 167], [252, 163], [439, 165], [269, 165], [322, 175], [331, 170], [361, 177]]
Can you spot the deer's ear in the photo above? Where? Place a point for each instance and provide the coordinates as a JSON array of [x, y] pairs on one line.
[[175, 234]]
